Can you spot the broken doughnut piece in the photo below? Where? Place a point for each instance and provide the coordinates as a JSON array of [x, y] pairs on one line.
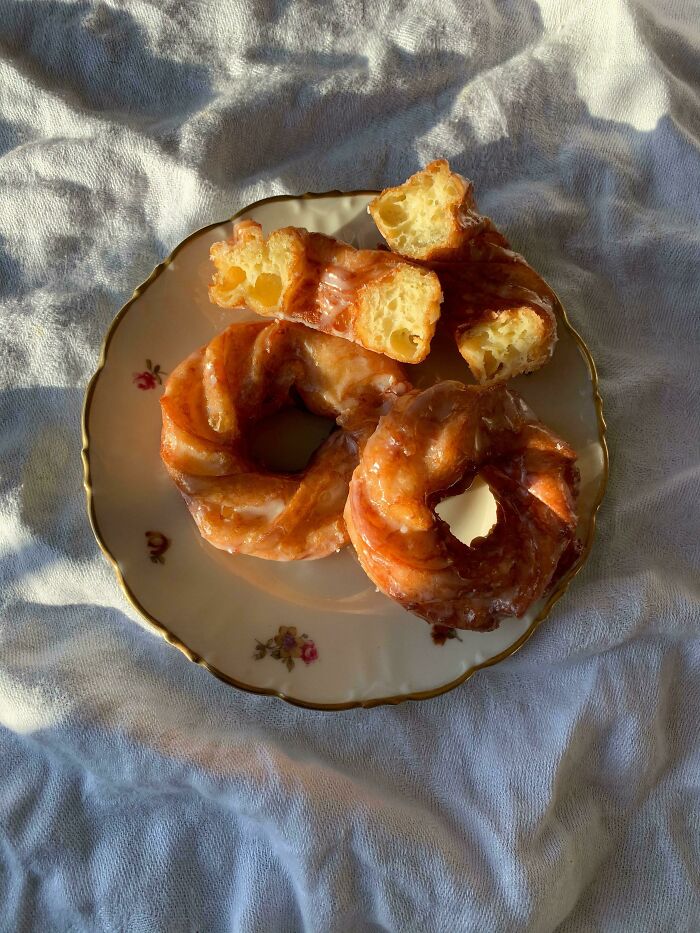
[[499, 310], [372, 297]]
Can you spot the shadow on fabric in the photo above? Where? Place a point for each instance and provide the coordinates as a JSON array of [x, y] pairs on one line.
[[114, 67]]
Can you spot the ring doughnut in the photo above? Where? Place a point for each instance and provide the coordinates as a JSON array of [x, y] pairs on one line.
[[430, 446], [211, 404]]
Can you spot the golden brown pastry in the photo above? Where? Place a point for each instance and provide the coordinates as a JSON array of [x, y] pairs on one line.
[[499, 310], [432, 216], [371, 297], [430, 446], [214, 399]]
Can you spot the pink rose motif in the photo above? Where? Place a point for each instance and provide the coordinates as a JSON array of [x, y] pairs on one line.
[[157, 544], [150, 377], [145, 380], [309, 652]]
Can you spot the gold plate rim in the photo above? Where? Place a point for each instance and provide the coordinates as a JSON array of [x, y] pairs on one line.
[[173, 640]]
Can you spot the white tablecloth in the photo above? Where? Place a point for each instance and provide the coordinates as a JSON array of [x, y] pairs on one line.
[[558, 790]]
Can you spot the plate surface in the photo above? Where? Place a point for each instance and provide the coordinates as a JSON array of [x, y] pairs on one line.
[[348, 645]]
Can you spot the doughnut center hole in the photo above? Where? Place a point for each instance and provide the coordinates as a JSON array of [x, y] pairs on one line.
[[472, 514], [286, 441]]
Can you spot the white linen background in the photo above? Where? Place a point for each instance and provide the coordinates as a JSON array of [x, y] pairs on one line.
[[558, 790]]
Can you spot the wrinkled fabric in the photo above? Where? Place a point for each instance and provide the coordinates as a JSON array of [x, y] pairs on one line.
[[556, 790]]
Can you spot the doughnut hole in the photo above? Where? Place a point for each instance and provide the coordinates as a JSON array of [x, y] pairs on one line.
[[286, 441], [472, 514]]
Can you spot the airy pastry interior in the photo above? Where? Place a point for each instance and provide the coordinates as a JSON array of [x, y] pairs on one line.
[[418, 217], [504, 346], [253, 271]]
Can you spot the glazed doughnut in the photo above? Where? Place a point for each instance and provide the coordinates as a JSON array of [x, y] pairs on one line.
[[211, 404], [371, 297], [430, 446], [499, 310]]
